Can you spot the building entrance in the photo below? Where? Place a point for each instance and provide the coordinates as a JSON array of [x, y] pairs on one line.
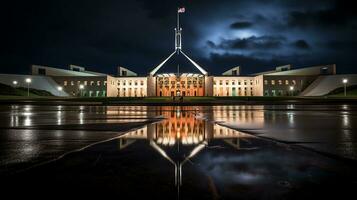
[[186, 84]]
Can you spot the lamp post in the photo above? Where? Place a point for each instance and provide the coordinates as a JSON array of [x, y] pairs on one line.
[[59, 89], [345, 81], [28, 81], [291, 90], [81, 87], [14, 83]]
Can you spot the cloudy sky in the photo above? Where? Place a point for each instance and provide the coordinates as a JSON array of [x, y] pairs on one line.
[[219, 34]]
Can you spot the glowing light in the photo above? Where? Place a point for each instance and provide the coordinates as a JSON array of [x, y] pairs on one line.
[[28, 80], [345, 80]]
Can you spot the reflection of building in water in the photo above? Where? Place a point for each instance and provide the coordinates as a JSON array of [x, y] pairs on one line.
[[179, 126], [184, 128], [241, 115]]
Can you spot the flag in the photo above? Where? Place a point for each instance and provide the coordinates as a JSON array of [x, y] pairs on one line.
[[181, 10]]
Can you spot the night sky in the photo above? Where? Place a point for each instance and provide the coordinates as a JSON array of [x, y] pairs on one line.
[[257, 35]]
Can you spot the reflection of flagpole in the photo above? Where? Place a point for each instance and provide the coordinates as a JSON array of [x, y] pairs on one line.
[[192, 154], [163, 153]]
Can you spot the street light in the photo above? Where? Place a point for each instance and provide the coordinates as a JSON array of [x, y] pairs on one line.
[[291, 90], [59, 88], [28, 81], [81, 87], [345, 81], [14, 83]]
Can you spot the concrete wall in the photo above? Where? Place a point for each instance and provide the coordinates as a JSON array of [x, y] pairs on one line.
[[326, 84], [151, 86], [125, 72], [258, 85], [308, 71], [208, 85], [50, 71], [37, 82], [112, 86]]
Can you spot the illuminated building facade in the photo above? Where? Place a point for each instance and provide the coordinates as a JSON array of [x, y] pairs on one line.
[[282, 81]]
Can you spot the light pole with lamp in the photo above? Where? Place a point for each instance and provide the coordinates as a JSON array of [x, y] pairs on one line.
[[28, 81], [59, 89], [81, 87], [291, 90], [345, 81], [14, 83]]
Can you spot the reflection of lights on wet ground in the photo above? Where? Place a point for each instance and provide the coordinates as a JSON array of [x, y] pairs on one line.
[[290, 106], [14, 121], [59, 117], [345, 120], [28, 135], [291, 118], [28, 121], [345, 107], [27, 108], [81, 121]]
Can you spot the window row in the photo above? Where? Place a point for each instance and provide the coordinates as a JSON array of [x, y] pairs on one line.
[[85, 83], [129, 82], [280, 82], [234, 82]]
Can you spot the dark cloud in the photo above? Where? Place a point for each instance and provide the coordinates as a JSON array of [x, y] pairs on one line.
[[255, 34], [251, 43], [249, 64], [301, 44], [340, 13], [241, 25]]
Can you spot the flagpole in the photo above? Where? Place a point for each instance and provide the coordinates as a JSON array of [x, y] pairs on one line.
[[178, 19]]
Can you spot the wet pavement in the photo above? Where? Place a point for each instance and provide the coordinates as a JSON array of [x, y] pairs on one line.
[[191, 154], [330, 129], [31, 135]]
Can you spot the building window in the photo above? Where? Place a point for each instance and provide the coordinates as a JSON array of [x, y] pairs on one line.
[[294, 82], [286, 82], [273, 82], [220, 82], [141, 82], [72, 82], [265, 82], [280, 82], [233, 82], [98, 83], [64, 83], [42, 71], [78, 82], [91, 83], [266, 93]]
